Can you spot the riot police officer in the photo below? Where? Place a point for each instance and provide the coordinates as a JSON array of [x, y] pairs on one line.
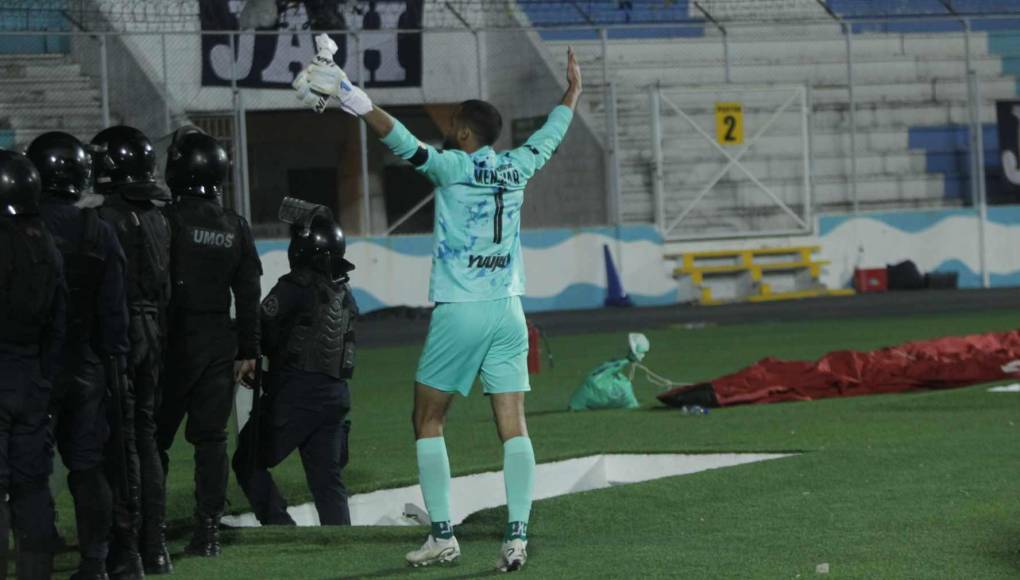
[[31, 336], [308, 334], [96, 335], [212, 254], [131, 203]]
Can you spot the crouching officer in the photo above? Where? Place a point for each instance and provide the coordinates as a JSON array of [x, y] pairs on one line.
[[308, 334], [212, 254], [96, 315], [31, 335], [131, 203]]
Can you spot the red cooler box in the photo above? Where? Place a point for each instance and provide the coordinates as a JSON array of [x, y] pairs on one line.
[[871, 280]]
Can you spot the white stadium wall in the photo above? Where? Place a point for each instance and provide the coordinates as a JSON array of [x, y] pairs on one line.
[[565, 268], [937, 241]]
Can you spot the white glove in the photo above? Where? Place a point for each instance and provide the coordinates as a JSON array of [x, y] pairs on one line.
[[329, 79], [305, 94], [324, 78]]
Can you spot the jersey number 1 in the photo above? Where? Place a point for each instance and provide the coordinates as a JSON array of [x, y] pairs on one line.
[[497, 218]]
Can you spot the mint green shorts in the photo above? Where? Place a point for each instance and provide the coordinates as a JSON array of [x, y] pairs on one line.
[[468, 339]]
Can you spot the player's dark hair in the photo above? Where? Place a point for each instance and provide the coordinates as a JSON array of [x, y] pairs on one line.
[[482, 118]]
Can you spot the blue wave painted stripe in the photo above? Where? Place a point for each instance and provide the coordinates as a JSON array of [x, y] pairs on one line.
[[968, 278], [266, 246], [367, 302], [908, 221], [421, 245], [630, 233], [543, 239], [971, 279], [573, 297], [1007, 215], [589, 296], [913, 222]]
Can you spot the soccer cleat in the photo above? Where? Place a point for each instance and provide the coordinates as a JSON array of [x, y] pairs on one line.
[[512, 555], [434, 551]]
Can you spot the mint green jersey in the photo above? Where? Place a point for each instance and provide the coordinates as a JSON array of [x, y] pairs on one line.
[[477, 240]]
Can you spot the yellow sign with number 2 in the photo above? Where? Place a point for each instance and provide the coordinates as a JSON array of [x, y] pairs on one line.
[[729, 123]]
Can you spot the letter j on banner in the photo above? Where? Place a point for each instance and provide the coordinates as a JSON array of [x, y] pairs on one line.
[[729, 123]]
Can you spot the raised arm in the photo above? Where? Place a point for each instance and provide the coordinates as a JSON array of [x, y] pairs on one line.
[[574, 87], [379, 121], [537, 150], [440, 167]]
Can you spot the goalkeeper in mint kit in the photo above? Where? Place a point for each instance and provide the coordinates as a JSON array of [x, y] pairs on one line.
[[477, 279]]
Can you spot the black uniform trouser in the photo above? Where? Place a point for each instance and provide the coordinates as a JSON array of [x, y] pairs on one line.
[[82, 430], [144, 364], [123, 472], [198, 382], [26, 457], [311, 420]]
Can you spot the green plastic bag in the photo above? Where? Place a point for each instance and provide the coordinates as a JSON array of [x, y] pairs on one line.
[[606, 387]]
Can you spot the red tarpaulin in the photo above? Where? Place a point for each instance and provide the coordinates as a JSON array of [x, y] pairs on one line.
[[943, 363]]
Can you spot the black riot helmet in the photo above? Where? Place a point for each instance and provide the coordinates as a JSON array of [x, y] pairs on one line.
[[20, 185], [122, 155], [196, 164], [316, 241], [63, 163]]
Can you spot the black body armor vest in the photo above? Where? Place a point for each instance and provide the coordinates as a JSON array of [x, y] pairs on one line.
[[321, 337], [206, 253], [84, 269], [28, 280], [144, 234]]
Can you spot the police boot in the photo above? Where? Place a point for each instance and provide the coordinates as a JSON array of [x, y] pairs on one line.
[[34, 565], [205, 541], [126, 564], [91, 569], [156, 556]]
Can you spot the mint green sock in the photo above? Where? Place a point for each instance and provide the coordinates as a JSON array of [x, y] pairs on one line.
[[519, 479], [434, 477], [516, 531]]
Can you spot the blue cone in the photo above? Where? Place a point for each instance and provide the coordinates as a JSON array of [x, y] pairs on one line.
[[615, 294]]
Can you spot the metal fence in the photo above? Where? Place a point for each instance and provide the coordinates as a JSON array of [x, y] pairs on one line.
[[899, 115], [885, 113]]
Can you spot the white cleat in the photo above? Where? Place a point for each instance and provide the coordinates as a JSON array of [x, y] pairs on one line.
[[434, 551], [512, 555]]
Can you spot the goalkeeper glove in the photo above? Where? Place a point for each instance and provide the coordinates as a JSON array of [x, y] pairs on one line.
[[331, 80], [305, 95]]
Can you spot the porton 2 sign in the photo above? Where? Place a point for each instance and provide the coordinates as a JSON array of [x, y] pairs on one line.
[[390, 58]]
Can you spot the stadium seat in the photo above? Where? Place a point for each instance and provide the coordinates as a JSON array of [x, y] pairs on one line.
[[911, 96]]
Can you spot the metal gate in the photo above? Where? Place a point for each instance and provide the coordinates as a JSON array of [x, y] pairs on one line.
[[731, 162]]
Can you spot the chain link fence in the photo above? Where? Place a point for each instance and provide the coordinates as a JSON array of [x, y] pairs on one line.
[[890, 112]]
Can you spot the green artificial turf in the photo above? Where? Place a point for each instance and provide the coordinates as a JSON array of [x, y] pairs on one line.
[[922, 485]]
